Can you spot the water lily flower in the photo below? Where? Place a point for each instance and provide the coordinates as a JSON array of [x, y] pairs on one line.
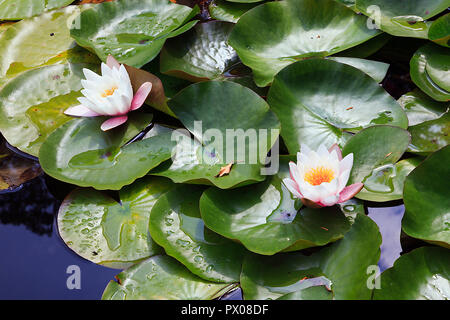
[[110, 94], [319, 178]]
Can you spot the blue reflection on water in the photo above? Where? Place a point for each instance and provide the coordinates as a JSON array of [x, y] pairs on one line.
[[389, 221]]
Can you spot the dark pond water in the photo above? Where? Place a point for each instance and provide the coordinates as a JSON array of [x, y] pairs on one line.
[[34, 260]]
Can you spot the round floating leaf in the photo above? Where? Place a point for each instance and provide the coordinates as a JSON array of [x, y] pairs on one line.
[[439, 31], [320, 101], [426, 200], [376, 149], [385, 183], [375, 69], [111, 233], [291, 30], [213, 112], [430, 136], [403, 18], [201, 53], [32, 104], [422, 274], [430, 71], [266, 218], [80, 153], [22, 44], [320, 292], [16, 10], [342, 267], [132, 31], [177, 226], [368, 48], [162, 278], [231, 12], [420, 108]]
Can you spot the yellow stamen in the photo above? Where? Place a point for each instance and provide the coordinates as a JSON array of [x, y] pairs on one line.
[[109, 92], [318, 175]]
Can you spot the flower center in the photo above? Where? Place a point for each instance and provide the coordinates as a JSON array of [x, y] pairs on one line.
[[109, 92], [318, 175]]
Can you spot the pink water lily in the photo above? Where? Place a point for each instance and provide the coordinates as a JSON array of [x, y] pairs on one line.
[[110, 94], [320, 178]]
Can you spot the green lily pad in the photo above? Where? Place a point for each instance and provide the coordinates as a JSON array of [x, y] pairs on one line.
[[267, 219], [162, 278], [22, 49], [292, 30], [430, 71], [439, 31], [177, 226], [422, 274], [375, 69], [404, 18], [430, 136], [320, 101], [225, 10], [420, 108], [374, 149], [80, 153], [111, 233], [320, 292], [32, 104], [16, 10], [368, 48], [385, 183], [343, 266], [132, 31], [426, 200], [202, 53], [212, 112]]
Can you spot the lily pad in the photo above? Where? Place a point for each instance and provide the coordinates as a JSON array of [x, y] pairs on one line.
[[212, 112], [177, 226], [385, 183], [322, 101], [22, 49], [374, 149], [132, 31], [80, 153], [430, 71], [343, 266], [266, 218], [403, 18], [426, 200], [292, 30], [420, 108], [162, 278], [225, 10], [368, 48], [16, 10], [439, 31], [110, 232], [430, 136], [422, 274], [375, 69], [319, 292]]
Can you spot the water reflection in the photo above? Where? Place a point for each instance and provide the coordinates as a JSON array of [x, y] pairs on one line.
[[389, 221]]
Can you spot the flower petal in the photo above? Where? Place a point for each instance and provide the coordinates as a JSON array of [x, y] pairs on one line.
[[113, 122], [80, 111], [346, 163], [350, 191], [292, 187], [112, 62], [141, 95], [330, 200], [335, 147]]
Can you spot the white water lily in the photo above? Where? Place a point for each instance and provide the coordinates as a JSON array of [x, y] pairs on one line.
[[319, 178], [109, 94]]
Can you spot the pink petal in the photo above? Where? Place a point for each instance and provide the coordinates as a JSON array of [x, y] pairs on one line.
[[336, 148], [80, 111], [113, 122], [141, 95], [350, 191], [292, 186], [112, 62]]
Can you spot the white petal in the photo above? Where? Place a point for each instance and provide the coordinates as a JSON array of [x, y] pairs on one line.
[[292, 187], [343, 179], [106, 71], [91, 75], [346, 163], [330, 200], [294, 171]]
